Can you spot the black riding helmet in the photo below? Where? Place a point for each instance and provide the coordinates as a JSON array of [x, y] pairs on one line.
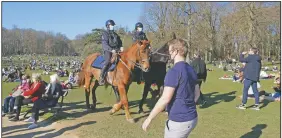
[[110, 22], [138, 25]]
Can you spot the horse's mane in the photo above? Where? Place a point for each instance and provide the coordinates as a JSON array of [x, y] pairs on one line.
[[126, 50]]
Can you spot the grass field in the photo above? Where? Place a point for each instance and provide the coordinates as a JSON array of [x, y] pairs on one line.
[[219, 119]]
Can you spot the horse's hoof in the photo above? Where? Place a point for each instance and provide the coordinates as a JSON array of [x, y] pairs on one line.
[[89, 109], [92, 107], [140, 111], [112, 111], [131, 120]]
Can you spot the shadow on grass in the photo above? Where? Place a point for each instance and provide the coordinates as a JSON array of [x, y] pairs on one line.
[[53, 134], [65, 113], [8, 128], [80, 112], [61, 131], [150, 103], [264, 103], [29, 135], [215, 98], [256, 131]]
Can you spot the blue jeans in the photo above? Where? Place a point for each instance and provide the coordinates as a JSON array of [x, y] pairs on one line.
[[247, 85], [9, 102], [276, 95]]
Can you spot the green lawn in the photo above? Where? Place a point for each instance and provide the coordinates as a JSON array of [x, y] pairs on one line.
[[219, 119]]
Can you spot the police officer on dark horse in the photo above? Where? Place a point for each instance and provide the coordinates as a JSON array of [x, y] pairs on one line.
[[138, 35], [111, 44]]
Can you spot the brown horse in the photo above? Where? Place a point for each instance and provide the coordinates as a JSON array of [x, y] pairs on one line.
[[120, 79]]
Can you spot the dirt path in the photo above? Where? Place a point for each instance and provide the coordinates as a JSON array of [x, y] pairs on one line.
[[70, 124]]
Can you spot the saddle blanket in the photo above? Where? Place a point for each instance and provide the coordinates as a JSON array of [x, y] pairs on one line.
[[99, 63]]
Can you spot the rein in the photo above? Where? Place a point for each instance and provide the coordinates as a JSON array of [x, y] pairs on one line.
[[156, 52]]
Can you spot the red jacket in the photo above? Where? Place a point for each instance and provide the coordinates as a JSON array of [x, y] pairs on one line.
[[36, 90]]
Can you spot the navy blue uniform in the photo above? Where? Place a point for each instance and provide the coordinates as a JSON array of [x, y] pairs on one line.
[[110, 41], [139, 36]]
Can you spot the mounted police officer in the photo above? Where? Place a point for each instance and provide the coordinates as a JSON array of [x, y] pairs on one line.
[[138, 35], [111, 43]]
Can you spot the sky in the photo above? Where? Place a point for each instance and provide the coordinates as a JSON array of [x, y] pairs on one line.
[[69, 18]]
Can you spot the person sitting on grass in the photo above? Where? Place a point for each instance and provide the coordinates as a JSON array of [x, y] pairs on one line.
[[275, 68], [239, 76], [71, 78], [277, 92], [277, 77]]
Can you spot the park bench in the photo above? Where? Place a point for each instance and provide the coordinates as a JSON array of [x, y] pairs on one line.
[[56, 109]]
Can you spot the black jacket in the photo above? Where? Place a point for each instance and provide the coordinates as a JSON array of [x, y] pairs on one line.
[[110, 40], [200, 68], [139, 36]]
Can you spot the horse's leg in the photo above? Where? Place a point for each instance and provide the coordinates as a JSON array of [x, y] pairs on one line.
[[87, 98], [144, 96], [161, 89], [124, 101], [127, 88], [116, 93], [94, 100], [87, 90], [116, 107]]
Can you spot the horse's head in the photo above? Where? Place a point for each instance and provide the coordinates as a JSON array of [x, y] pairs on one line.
[[143, 54], [161, 54]]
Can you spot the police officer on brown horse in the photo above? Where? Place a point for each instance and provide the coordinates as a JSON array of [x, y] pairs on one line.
[[111, 43]]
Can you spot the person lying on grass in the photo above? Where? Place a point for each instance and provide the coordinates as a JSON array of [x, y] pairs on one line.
[[268, 96]]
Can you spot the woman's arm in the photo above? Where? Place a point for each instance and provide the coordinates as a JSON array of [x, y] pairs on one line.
[[33, 90]]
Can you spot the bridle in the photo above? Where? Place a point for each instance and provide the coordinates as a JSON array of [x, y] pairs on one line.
[[156, 52], [138, 65]]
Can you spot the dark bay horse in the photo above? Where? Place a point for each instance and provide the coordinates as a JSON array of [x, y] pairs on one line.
[[135, 56], [158, 61]]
